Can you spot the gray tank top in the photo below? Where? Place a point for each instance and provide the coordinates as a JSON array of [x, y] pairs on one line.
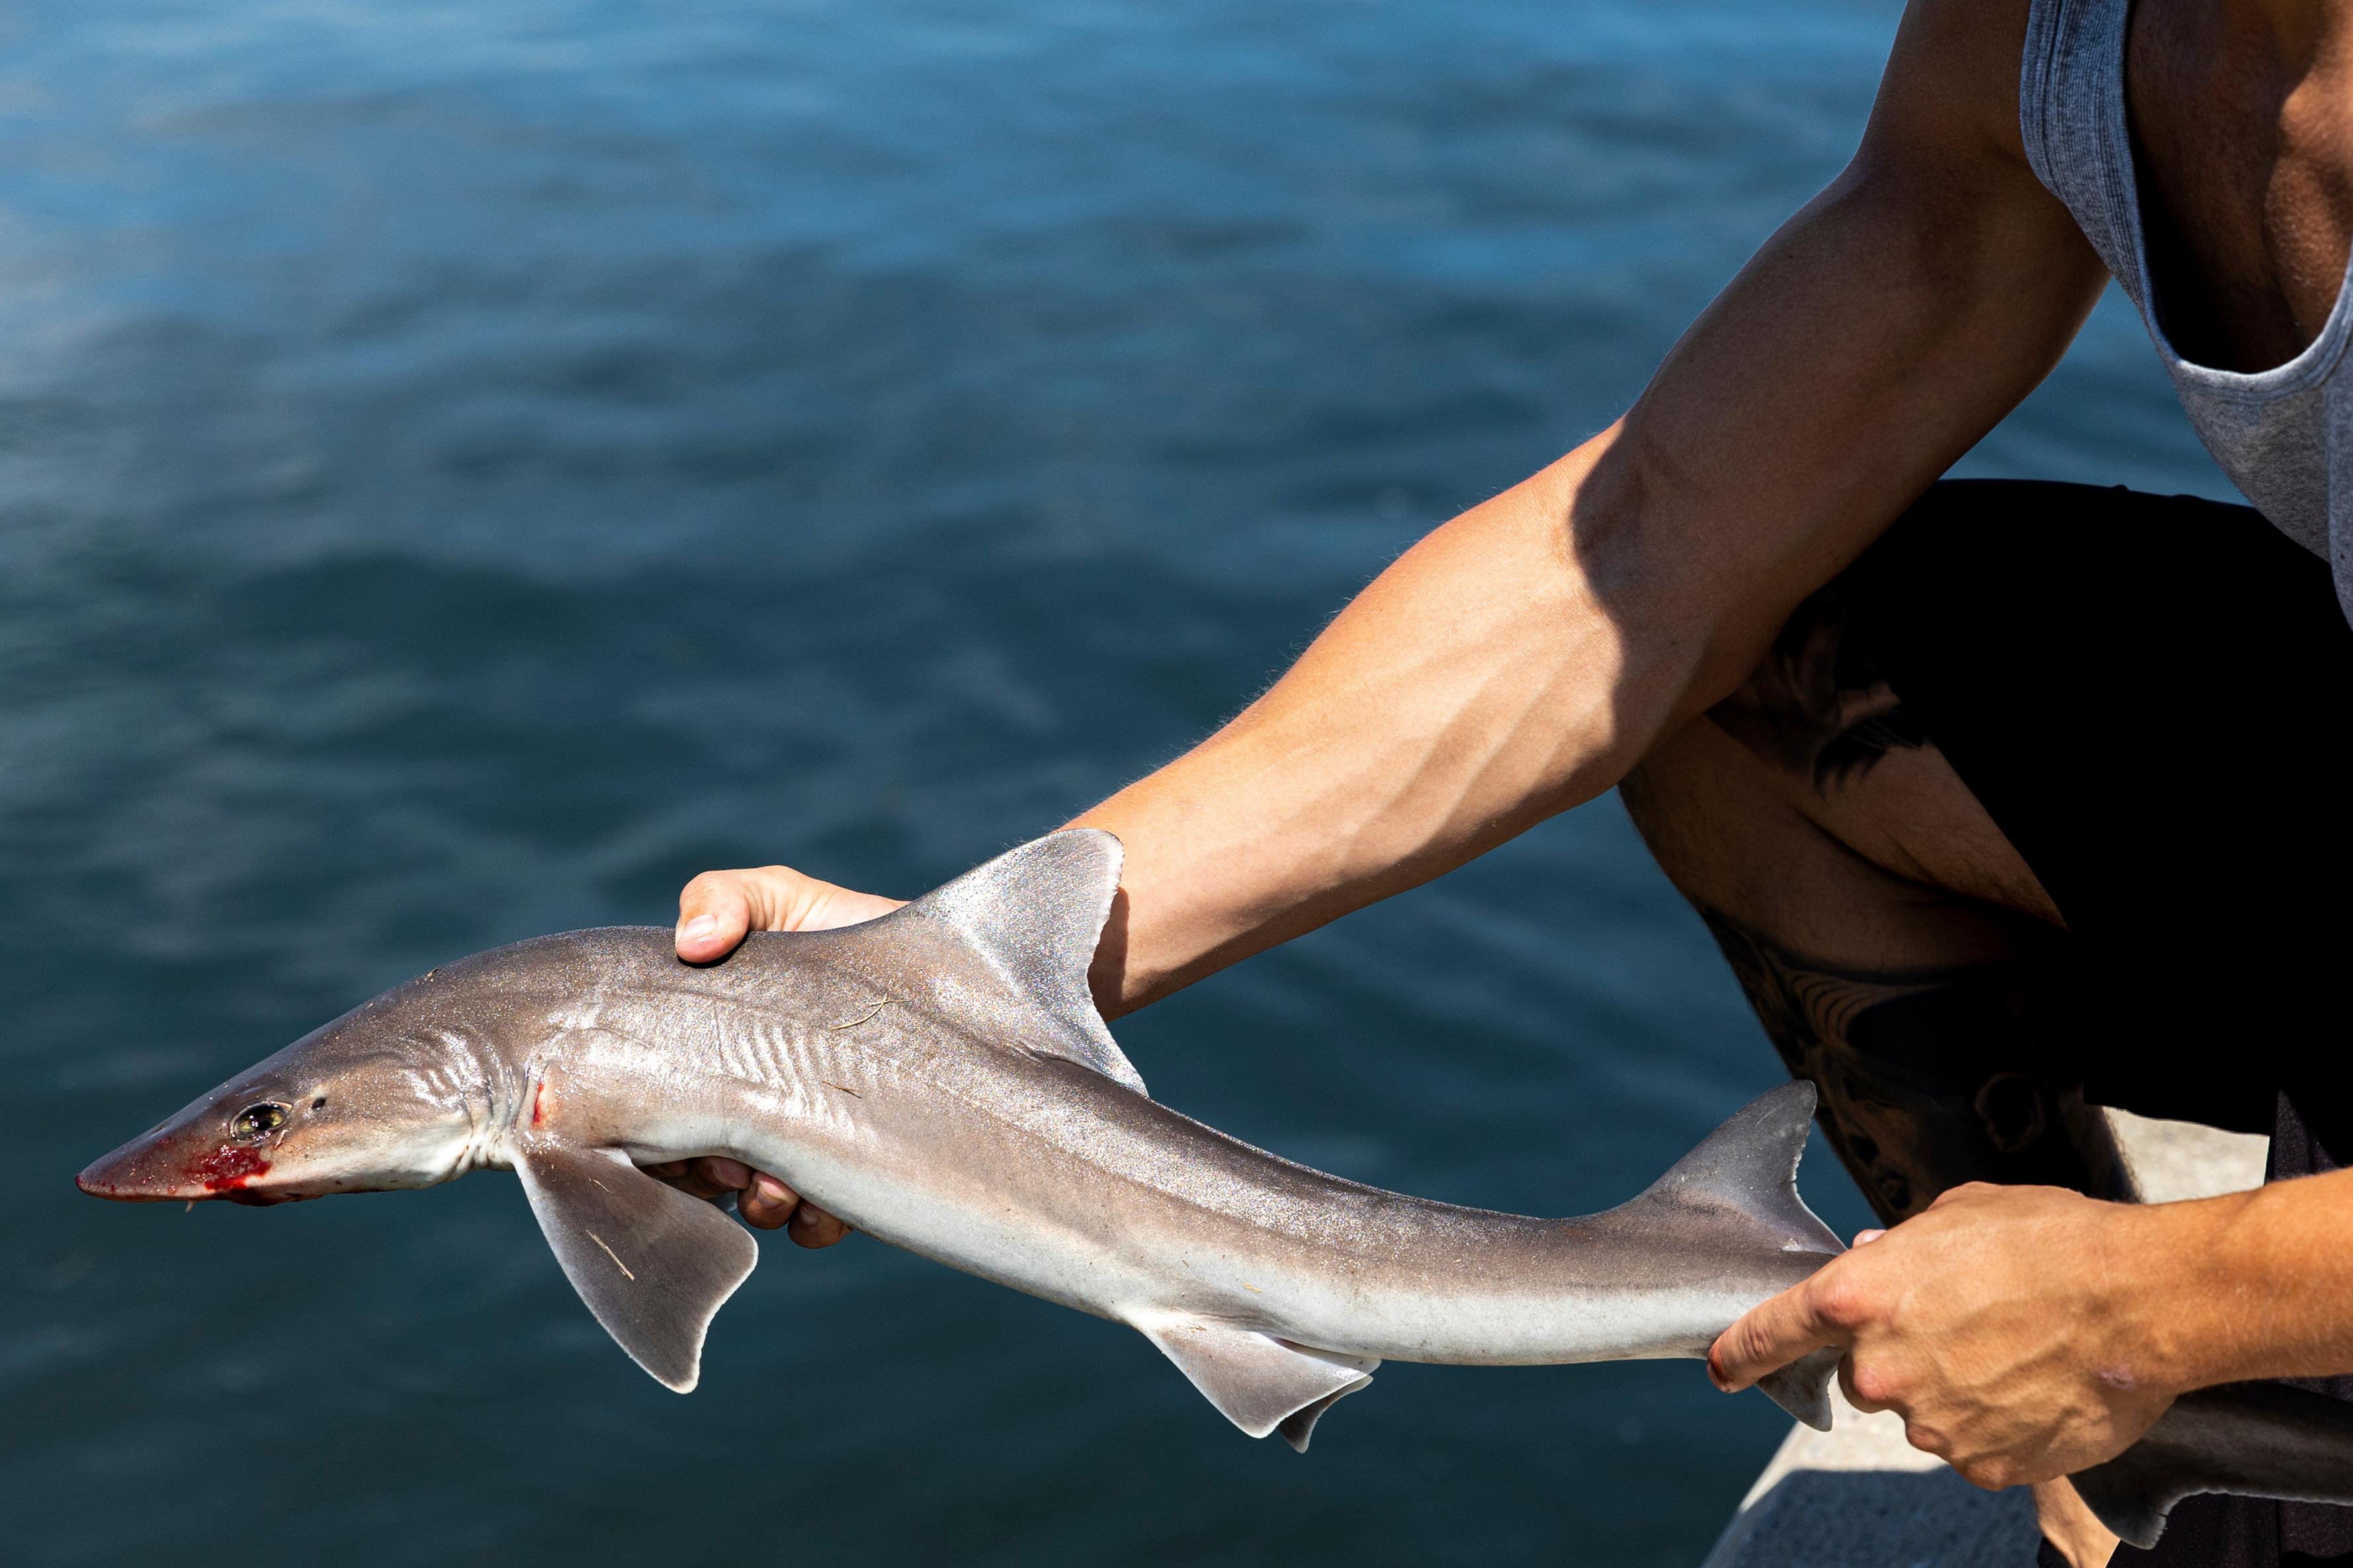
[[2285, 435]]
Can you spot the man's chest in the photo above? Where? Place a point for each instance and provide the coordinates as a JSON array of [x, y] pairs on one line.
[[2243, 144]]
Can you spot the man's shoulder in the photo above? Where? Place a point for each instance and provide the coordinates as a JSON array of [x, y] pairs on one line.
[[1952, 74]]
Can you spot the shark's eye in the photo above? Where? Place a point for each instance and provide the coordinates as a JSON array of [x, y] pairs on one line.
[[256, 1119]]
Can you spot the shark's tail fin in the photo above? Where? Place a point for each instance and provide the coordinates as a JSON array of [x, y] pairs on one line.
[[2256, 1440], [1748, 1168]]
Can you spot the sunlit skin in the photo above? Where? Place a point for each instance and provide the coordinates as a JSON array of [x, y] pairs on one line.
[[1526, 656]]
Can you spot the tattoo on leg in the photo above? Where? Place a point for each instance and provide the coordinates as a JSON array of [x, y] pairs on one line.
[[1928, 1078], [1817, 704]]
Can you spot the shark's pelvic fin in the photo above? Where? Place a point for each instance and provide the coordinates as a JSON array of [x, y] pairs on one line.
[[1748, 1168], [653, 1264], [1035, 913], [1260, 1383]]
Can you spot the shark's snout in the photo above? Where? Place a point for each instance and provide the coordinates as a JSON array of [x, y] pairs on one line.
[[360, 1105], [165, 1168]]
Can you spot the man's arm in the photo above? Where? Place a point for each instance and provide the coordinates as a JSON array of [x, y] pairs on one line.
[[1524, 657]]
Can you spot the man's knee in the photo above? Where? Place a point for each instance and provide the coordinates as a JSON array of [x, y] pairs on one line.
[[1817, 745], [1813, 721]]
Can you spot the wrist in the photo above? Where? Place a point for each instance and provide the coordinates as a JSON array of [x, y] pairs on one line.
[[2182, 1289]]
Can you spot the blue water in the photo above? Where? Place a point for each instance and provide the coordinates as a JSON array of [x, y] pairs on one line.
[[466, 468]]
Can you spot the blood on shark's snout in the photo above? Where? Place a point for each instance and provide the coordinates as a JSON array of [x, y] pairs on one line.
[[228, 1168]]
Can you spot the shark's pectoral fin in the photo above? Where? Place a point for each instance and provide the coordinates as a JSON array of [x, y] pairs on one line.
[[1262, 1384], [653, 1264]]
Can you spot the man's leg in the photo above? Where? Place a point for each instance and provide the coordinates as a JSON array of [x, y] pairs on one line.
[[2149, 691], [1899, 951], [1900, 954]]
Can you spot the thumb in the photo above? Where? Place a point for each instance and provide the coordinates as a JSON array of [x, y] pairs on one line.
[[714, 910]]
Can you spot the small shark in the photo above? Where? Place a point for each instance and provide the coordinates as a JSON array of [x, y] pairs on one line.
[[939, 1077]]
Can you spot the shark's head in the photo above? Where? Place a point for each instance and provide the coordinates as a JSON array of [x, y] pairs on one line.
[[393, 1094]]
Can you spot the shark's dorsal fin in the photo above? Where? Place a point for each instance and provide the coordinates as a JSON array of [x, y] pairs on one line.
[[1035, 913], [1259, 1382], [654, 1265]]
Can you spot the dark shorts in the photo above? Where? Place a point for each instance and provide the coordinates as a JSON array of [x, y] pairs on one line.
[[2153, 698]]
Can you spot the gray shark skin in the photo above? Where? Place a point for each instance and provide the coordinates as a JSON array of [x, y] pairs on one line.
[[939, 1077]]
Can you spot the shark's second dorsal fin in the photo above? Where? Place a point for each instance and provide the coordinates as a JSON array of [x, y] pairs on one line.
[[1749, 1166], [1035, 913], [1747, 1169]]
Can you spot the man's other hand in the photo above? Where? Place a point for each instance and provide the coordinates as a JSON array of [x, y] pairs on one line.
[[2009, 1327], [715, 912]]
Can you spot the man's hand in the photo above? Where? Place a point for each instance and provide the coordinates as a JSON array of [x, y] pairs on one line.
[[713, 914], [2011, 1327]]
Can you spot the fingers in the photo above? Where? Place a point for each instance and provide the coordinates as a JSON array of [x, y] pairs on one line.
[[704, 1178], [1870, 1394], [761, 1200], [718, 908], [767, 1203], [812, 1227], [1772, 1335]]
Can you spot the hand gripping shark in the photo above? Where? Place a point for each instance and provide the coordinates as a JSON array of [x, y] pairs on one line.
[[939, 1078]]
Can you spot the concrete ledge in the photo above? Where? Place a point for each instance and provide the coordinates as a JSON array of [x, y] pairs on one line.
[[1882, 1519], [1859, 1495]]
